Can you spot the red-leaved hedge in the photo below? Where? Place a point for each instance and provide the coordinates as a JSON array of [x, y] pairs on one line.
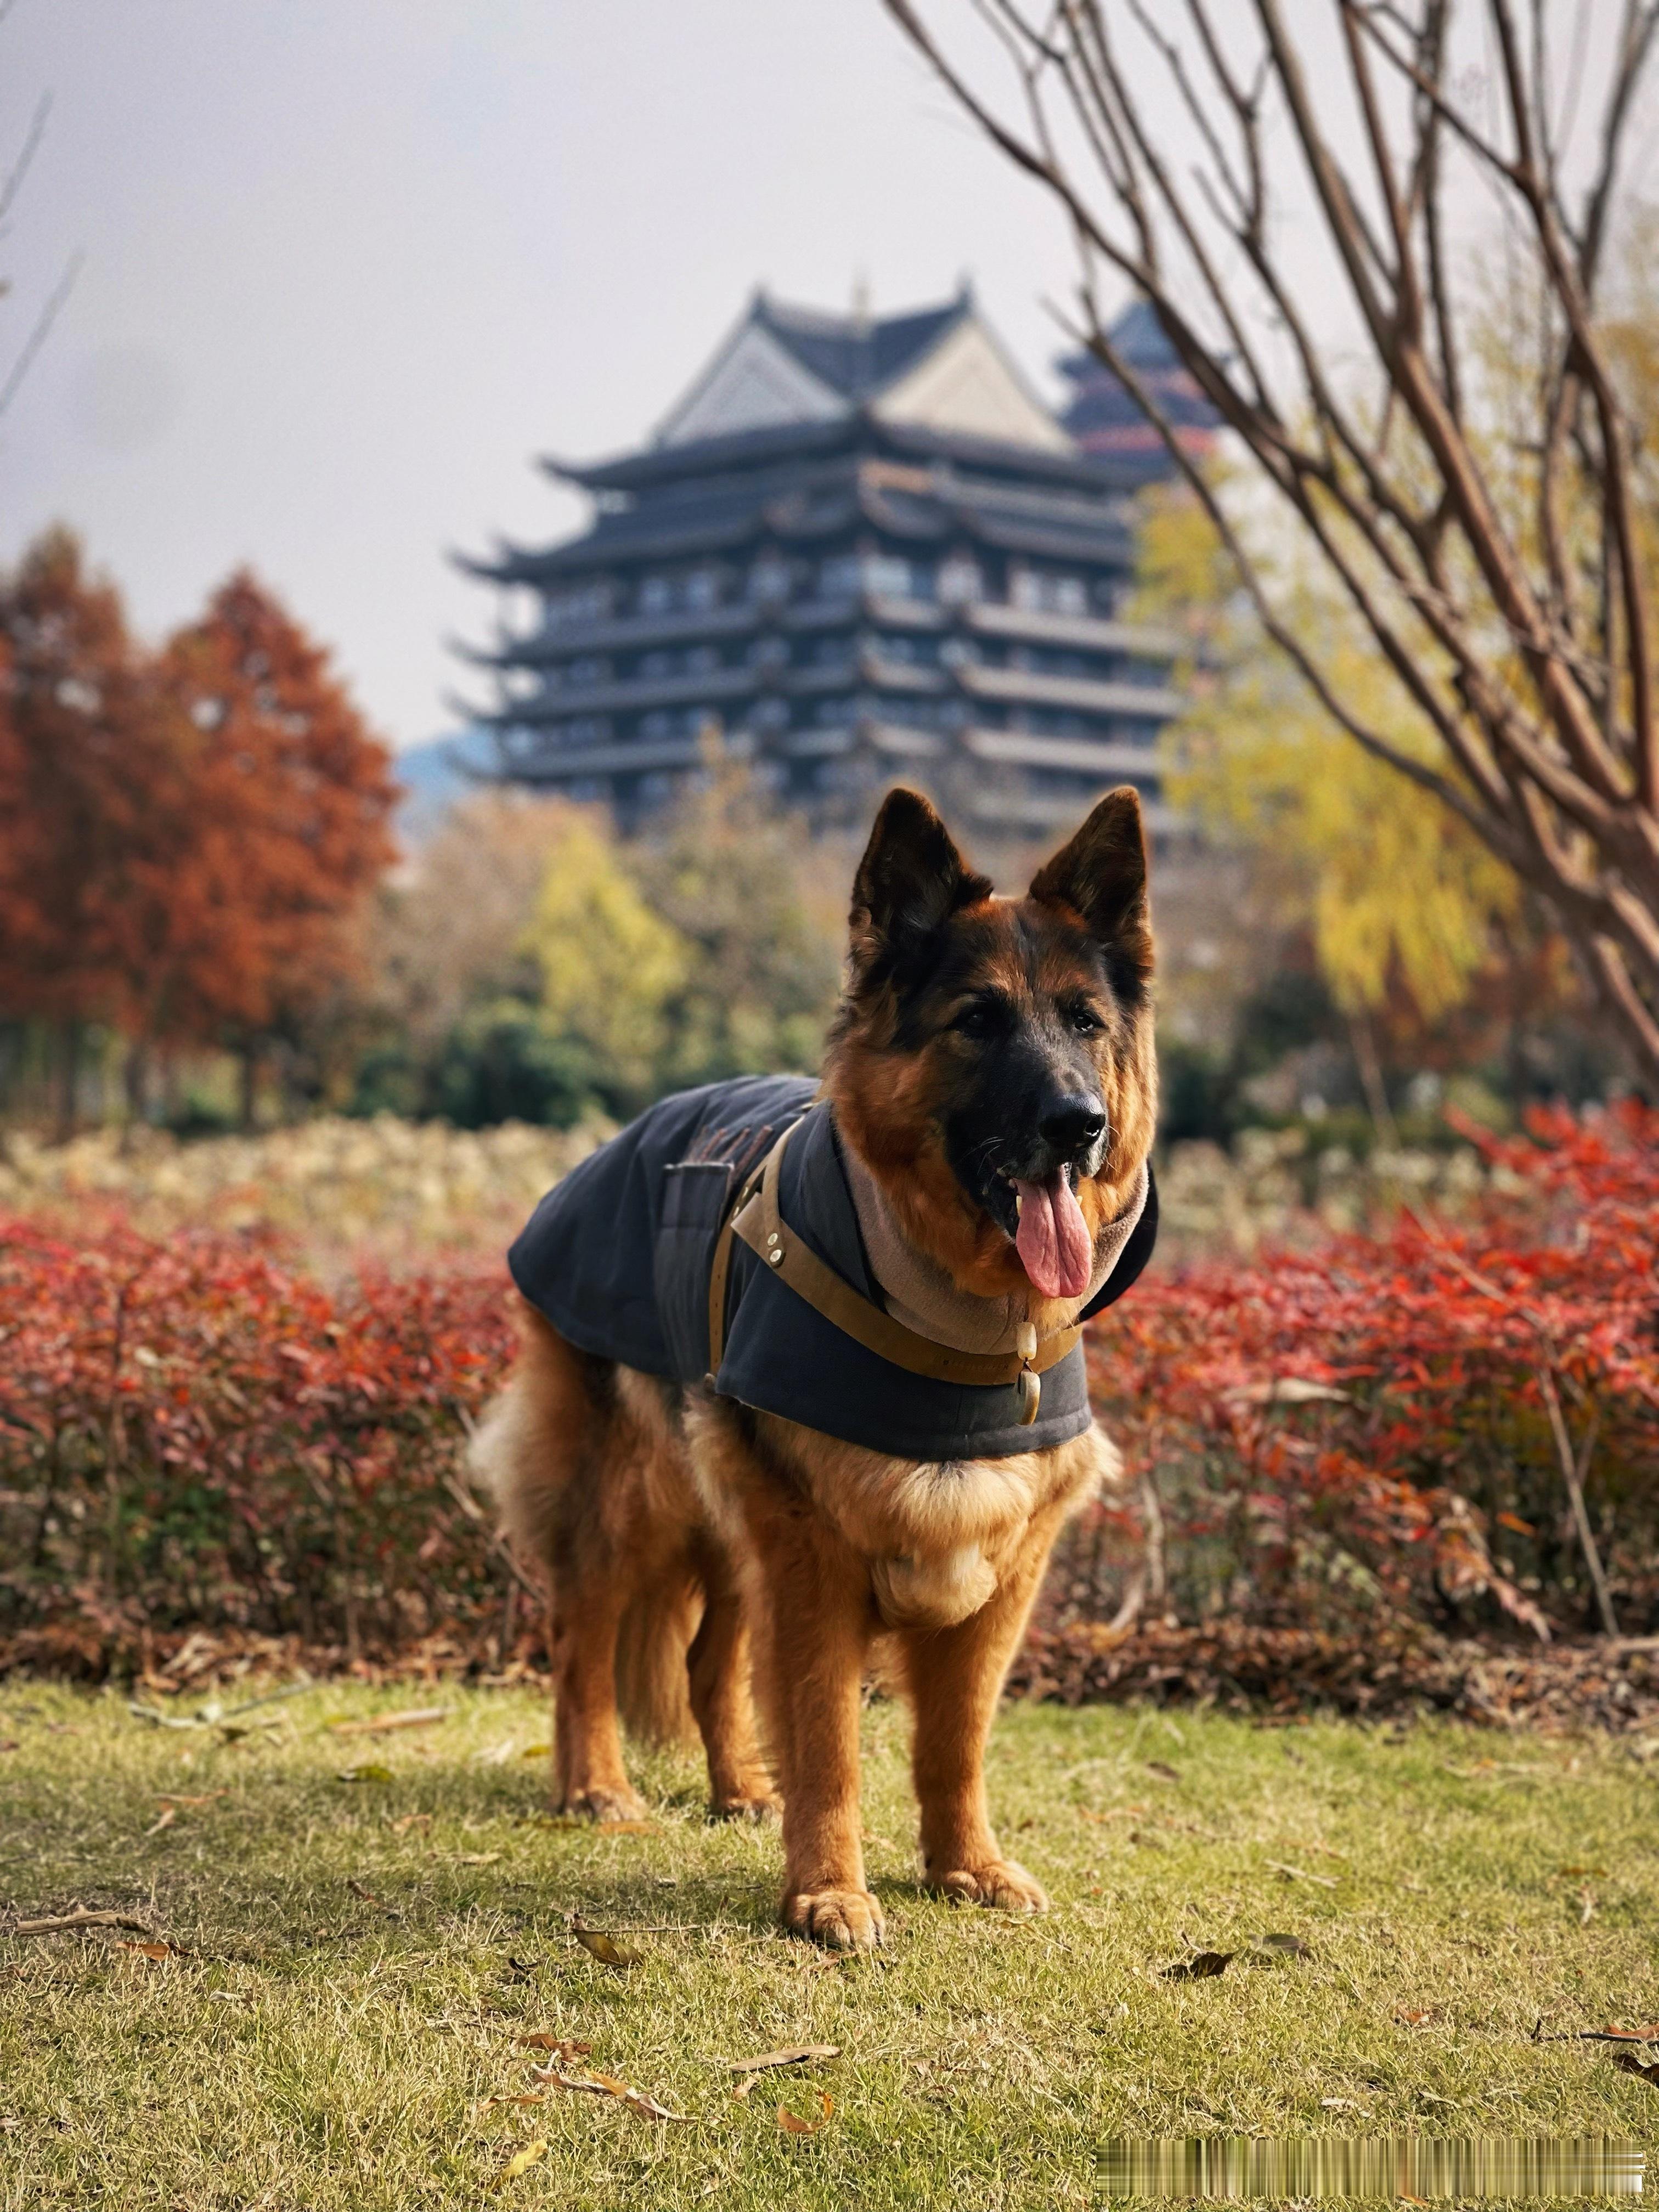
[[1390, 1422], [194, 1432]]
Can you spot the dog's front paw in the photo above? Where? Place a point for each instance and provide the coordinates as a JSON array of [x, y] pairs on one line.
[[840, 1919], [623, 1804], [1000, 1883]]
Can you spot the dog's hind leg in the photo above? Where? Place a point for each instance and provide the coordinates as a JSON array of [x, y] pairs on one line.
[[739, 1786], [590, 1597], [954, 1677]]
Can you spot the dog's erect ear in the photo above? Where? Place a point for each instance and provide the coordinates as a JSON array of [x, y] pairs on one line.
[[1102, 877], [911, 880]]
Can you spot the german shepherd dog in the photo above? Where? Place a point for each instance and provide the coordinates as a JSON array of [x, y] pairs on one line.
[[991, 1065]]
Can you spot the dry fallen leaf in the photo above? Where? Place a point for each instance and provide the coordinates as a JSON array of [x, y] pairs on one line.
[[425, 1717], [529, 2096], [1201, 1967], [203, 1797], [152, 1950], [563, 2047], [1628, 2063], [1291, 1947], [605, 1948], [370, 1773], [1416, 2017], [608, 2085], [1162, 1768], [10, 1743], [520, 2162], [164, 1819], [360, 1890], [793, 2056], [1514, 1520], [792, 2124], [477, 1858], [408, 1820]]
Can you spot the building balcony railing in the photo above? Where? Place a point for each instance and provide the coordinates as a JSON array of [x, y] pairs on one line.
[[1025, 687], [1099, 757], [988, 617], [993, 618], [700, 687]]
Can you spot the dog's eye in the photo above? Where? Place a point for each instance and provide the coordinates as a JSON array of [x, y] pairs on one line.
[[1085, 1020], [977, 1020]]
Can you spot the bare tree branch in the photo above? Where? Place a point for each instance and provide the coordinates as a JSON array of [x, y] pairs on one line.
[[1491, 544], [36, 336], [30, 146]]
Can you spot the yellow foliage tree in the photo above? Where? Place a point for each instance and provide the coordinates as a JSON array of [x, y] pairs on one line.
[[1394, 888], [610, 967]]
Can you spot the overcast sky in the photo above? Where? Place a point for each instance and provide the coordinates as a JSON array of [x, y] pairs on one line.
[[350, 264]]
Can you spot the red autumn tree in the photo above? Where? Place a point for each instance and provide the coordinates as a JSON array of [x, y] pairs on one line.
[[182, 839], [94, 765], [295, 800]]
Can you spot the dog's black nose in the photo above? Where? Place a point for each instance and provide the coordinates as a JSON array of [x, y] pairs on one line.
[[1072, 1123]]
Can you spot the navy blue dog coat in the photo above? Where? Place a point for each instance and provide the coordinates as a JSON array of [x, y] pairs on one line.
[[618, 1257]]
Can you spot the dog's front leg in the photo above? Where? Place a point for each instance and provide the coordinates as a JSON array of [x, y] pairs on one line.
[[814, 1605], [955, 1677]]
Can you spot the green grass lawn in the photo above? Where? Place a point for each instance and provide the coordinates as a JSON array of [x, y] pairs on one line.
[[357, 1960]]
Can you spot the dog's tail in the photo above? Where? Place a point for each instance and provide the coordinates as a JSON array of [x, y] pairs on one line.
[[652, 1643]]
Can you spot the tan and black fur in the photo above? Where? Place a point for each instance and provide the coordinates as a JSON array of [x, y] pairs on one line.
[[693, 1546]]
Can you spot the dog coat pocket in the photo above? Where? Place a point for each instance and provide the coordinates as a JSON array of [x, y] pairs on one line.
[[694, 1197]]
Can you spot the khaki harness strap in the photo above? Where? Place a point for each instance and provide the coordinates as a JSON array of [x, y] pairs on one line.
[[757, 1219]]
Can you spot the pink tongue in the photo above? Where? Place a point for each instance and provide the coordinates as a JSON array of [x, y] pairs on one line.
[[1055, 1246]]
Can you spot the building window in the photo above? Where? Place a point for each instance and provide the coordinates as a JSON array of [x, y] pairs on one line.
[[701, 659], [1043, 591], [656, 595], [769, 580], [889, 574], [581, 603], [960, 580], [838, 577], [702, 590]]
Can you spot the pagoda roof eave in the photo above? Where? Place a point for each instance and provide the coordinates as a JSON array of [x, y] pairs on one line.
[[651, 465], [655, 465]]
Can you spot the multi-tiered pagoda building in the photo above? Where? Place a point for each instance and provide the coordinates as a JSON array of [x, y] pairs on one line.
[[864, 550]]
